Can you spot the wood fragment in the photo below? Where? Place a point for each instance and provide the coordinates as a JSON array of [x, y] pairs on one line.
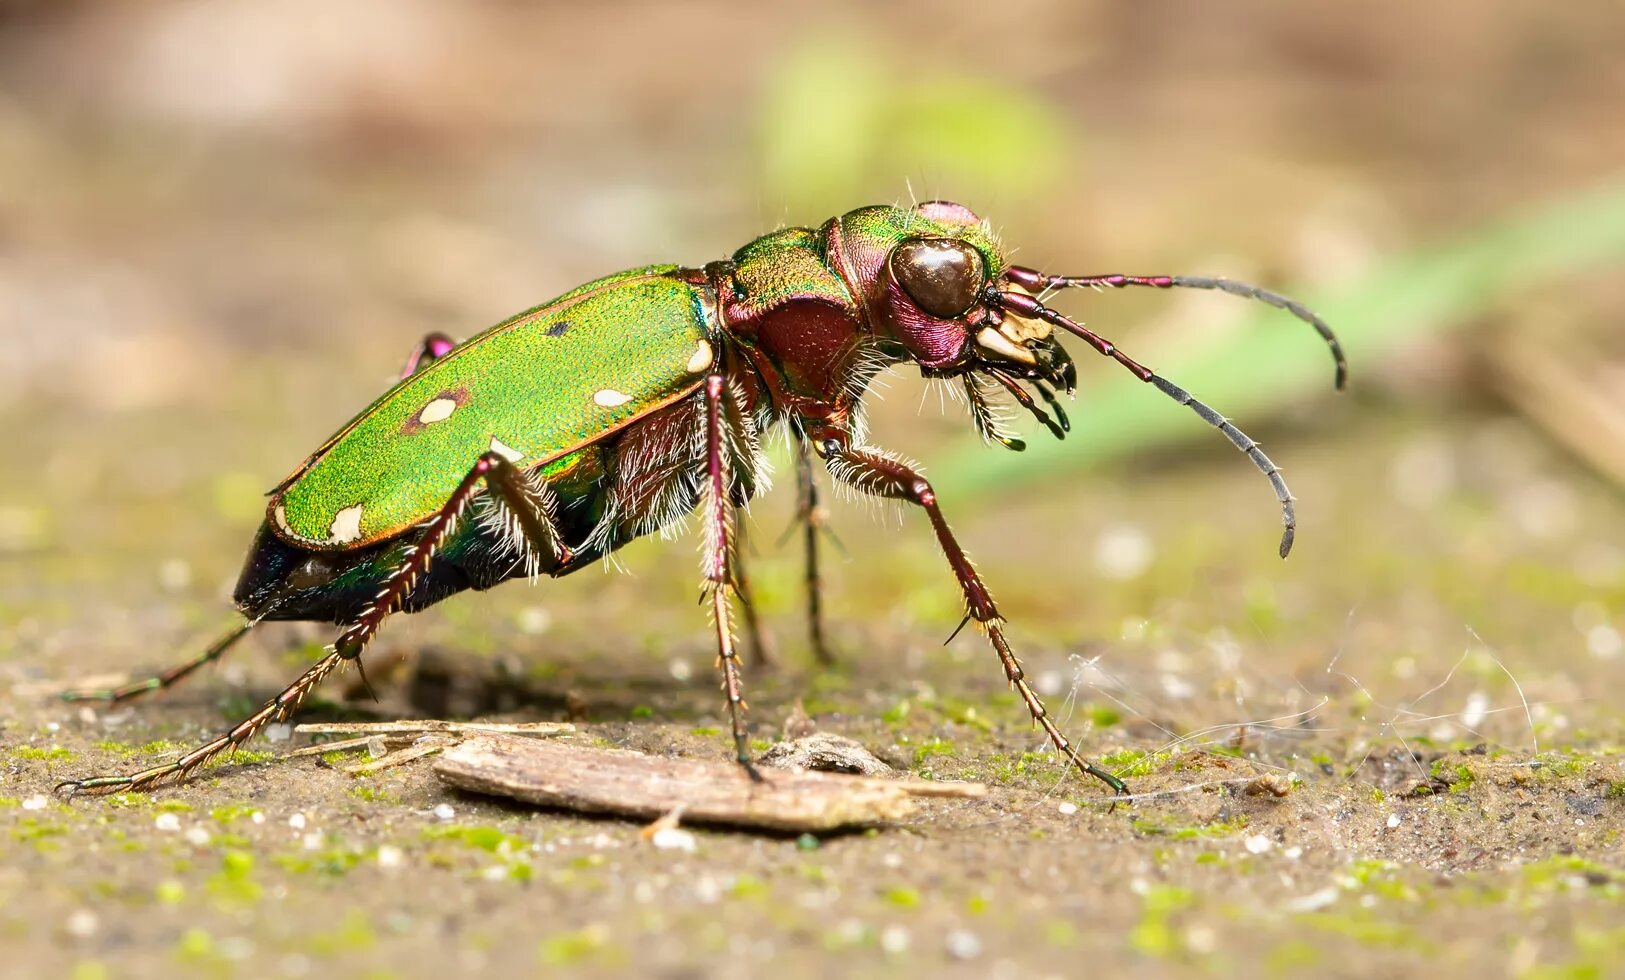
[[433, 725], [426, 746], [631, 784]]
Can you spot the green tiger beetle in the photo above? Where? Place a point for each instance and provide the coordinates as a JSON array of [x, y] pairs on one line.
[[617, 409]]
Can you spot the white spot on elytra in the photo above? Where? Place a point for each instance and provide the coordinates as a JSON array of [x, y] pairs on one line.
[[438, 410], [610, 398], [701, 359], [346, 525], [506, 451], [281, 514]]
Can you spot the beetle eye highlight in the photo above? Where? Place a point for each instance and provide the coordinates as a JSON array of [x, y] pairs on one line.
[[943, 278]]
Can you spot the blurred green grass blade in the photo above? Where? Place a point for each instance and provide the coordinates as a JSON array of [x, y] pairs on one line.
[[1273, 361]]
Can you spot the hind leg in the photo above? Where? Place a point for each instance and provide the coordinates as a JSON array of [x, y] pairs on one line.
[[526, 510]]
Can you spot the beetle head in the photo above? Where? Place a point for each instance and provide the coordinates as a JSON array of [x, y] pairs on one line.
[[932, 277]]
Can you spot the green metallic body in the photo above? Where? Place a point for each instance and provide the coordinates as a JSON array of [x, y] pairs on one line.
[[541, 385]]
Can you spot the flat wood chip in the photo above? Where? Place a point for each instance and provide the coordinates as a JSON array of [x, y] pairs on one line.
[[631, 784]]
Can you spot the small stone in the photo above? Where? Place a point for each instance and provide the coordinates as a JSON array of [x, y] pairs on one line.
[[258, 816], [376, 749], [1258, 844], [674, 839], [313, 840], [197, 836], [167, 822], [1393, 820], [1067, 808], [533, 620], [278, 733], [35, 802], [894, 940], [963, 944], [174, 575], [297, 821], [443, 811], [82, 924], [680, 670], [390, 856], [1123, 552], [1314, 900]]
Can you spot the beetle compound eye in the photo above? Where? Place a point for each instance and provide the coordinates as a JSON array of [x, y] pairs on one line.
[[943, 278]]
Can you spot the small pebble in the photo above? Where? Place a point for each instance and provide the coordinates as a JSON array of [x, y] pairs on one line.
[[894, 940], [278, 733], [674, 839], [167, 822], [35, 802], [313, 840], [376, 749], [1313, 901], [963, 944], [82, 924], [443, 811], [1393, 820], [680, 670], [197, 836], [174, 575], [533, 620], [390, 856], [258, 816], [808, 842], [297, 821], [1258, 844], [1293, 853], [1067, 808]]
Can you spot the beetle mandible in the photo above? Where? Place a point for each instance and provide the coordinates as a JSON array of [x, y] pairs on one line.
[[561, 434]]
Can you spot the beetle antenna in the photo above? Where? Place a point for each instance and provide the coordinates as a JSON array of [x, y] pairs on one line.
[[1037, 282], [1022, 304]]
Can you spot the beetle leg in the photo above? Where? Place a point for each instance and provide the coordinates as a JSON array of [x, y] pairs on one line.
[[719, 553], [163, 679], [761, 652], [491, 470], [431, 348], [813, 519], [876, 473]]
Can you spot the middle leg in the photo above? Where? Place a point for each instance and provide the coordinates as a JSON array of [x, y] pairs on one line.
[[719, 554], [876, 473]]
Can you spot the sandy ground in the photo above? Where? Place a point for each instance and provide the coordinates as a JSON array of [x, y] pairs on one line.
[[1428, 816]]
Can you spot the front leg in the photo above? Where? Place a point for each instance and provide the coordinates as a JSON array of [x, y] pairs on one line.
[[879, 474]]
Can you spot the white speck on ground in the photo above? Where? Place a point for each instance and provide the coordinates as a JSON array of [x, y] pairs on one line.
[[674, 839], [963, 944]]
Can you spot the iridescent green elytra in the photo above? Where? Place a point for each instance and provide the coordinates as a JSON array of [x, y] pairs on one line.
[[533, 388], [613, 412]]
